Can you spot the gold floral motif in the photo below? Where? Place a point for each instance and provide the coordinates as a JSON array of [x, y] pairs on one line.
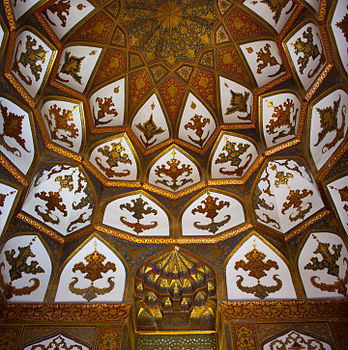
[[149, 130], [197, 124], [257, 267], [174, 171], [93, 270], [265, 58], [329, 262], [19, 266], [31, 57]]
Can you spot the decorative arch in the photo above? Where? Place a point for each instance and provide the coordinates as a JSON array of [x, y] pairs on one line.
[[25, 269], [93, 273], [175, 284], [323, 266], [138, 214], [256, 270]]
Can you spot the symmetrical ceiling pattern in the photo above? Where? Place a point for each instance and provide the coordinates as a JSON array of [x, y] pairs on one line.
[[127, 126]]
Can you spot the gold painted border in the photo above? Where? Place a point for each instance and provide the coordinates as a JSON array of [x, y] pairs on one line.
[[66, 313], [284, 309], [201, 240]]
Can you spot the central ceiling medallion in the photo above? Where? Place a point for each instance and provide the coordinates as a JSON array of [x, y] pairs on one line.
[[172, 30]]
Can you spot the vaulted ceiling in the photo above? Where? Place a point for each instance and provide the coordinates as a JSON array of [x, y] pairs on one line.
[[174, 144]]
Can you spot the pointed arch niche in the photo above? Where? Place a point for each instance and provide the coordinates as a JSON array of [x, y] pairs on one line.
[[93, 273], [174, 285], [257, 271], [323, 266], [25, 269]]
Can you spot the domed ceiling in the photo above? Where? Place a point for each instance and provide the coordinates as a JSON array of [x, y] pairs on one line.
[[128, 128]]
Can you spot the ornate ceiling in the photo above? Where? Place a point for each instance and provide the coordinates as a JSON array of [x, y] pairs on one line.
[[173, 144]]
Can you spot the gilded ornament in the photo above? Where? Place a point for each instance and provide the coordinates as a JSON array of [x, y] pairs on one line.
[[59, 121], [197, 124], [61, 9], [343, 25], [329, 123], [114, 156], [239, 103], [234, 157], [175, 172], [3, 197], [296, 340], [265, 58], [31, 57], [295, 199], [277, 6], [71, 66], [12, 128], [20, 266], [105, 108], [210, 207], [140, 208], [94, 269], [329, 262], [283, 115], [257, 267], [149, 130], [309, 50]]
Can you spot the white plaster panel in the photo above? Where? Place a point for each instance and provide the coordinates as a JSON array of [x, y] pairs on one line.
[[328, 126], [307, 67], [112, 96], [21, 279], [173, 158], [294, 339], [197, 221], [277, 18], [67, 276], [232, 157], [7, 197], [30, 75], [319, 267], [72, 205], [74, 12], [64, 122], [286, 195], [314, 3], [150, 113], [280, 115], [264, 71], [20, 7], [236, 102], [337, 22], [338, 190], [83, 60], [117, 162], [194, 114], [16, 145], [286, 291], [153, 222]]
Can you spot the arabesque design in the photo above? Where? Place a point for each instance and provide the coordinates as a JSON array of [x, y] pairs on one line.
[[330, 256], [257, 268], [140, 209], [31, 57], [169, 29], [20, 266], [94, 270]]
